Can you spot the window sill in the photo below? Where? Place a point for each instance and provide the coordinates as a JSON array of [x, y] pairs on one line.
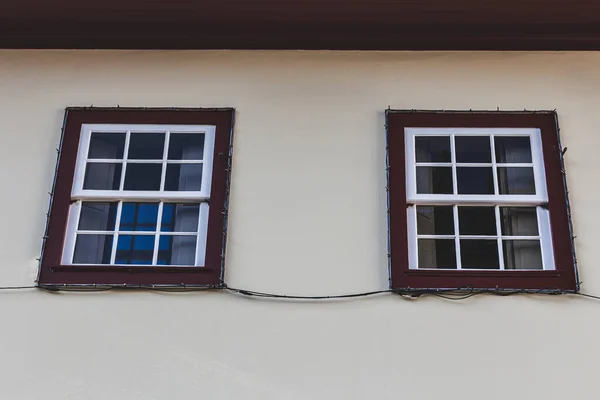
[[478, 279], [127, 275]]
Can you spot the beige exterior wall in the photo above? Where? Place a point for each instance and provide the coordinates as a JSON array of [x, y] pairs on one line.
[[307, 217]]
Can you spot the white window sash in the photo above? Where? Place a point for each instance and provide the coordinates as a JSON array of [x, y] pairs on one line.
[[79, 194], [538, 200]]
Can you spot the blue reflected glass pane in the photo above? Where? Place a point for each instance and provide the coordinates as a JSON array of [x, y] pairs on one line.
[[139, 217], [135, 249]]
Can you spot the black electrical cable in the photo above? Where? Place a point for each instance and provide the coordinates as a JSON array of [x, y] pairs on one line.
[[460, 293]]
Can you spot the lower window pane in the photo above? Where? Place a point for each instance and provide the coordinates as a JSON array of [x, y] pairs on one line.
[[135, 249], [97, 216], [180, 217], [519, 221], [93, 249], [437, 180], [479, 254], [177, 250], [477, 220], [435, 220], [437, 253], [522, 254], [139, 217]]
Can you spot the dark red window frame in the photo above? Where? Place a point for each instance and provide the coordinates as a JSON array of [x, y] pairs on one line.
[[53, 273], [564, 278]]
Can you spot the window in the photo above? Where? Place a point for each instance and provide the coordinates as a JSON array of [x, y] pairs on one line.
[[477, 200], [140, 198]]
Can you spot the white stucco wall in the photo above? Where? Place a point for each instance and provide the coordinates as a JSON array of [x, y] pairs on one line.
[[308, 123]]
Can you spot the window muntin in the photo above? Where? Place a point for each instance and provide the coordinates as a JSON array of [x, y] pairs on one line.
[[140, 196], [477, 199]]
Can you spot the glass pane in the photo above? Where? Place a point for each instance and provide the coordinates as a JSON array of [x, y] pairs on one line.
[[93, 249], [473, 149], [515, 180], [97, 216], [139, 217], [135, 249], [522, 254], [475, 180], [437, 253], [186, 146], [177, 250], [435, 220], [477, 221], [102, 176], [436, 180], [180, 217], [183, 177], [432, 149], [479, 254], [519, 221], [146, 146], [143, 177], [106, 145], [512, 149]]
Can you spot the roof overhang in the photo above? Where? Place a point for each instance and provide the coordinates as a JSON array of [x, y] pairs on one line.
[[302, 24]]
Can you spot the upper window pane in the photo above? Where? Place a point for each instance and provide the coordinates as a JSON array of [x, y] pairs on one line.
[[146, 146], [473, 149], [475, 180], [432, 149], [107, 145], [144, 176], [516, 180], [186, 146], [437, 180], [183, 177], [513, 149], [102, 176]]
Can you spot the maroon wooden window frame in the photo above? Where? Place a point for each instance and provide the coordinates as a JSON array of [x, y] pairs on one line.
[[563, 278], [53, 273]]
